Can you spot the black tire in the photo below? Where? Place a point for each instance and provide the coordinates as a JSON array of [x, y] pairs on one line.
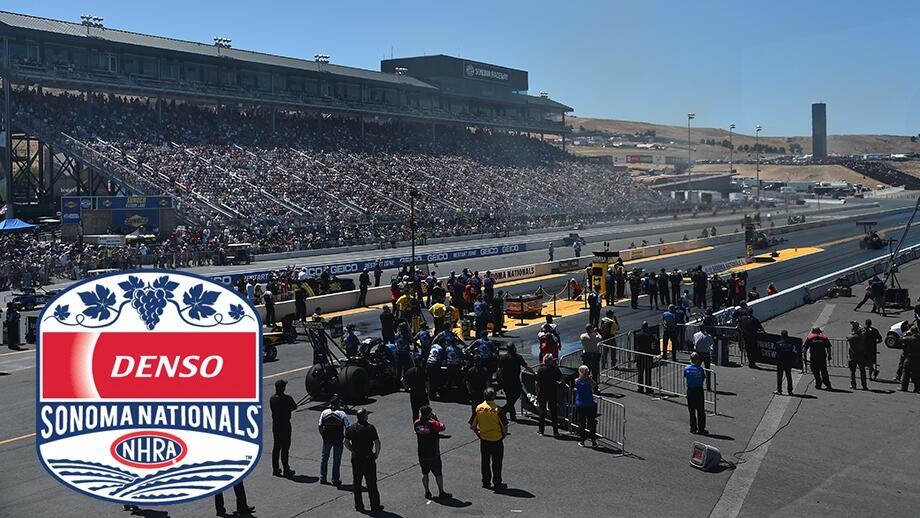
[[269, 353], [321, 381], [354, 384], [892, 341]]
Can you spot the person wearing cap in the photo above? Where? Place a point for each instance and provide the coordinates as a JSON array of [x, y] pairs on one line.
[[489, 424], [281, 406], [332, 425], [819, 348], [362, 441]]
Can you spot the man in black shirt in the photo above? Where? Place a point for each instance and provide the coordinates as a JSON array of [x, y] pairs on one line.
[[549, 377], [427, 431], [378, 271], [748, 327], [362, 441], [510, 366], [477, 379], [281, 405], [785, 359], [416, 384], [872, 338], [388, 325], [364, 281], [819, 348], [642, 343]]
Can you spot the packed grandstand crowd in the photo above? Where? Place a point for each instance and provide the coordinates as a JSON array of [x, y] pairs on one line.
[[293, 182]]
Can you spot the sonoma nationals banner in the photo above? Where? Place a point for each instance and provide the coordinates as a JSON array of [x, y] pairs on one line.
[[149, 387]]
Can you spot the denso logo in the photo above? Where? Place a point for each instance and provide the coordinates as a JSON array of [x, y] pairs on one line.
[[165, 366], [148, 449], [146, 380]]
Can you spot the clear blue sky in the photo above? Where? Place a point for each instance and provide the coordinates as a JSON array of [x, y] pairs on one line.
[[744, 62]]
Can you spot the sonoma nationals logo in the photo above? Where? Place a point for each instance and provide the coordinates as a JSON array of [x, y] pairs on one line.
[[149, 387]]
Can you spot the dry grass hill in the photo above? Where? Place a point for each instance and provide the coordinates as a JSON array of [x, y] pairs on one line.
[[837, 144]]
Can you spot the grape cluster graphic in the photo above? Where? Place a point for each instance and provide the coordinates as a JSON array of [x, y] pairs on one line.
[[149, 303]]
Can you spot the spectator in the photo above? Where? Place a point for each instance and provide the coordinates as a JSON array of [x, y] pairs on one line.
[[585, 406], [362, 441], [489, 424], [694, 376], [548, 381], [427, 432], [332, 425]]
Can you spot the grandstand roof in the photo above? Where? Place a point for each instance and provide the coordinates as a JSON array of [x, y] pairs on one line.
[[35, 23]]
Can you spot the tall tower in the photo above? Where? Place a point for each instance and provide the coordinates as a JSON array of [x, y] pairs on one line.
[[819, 130]]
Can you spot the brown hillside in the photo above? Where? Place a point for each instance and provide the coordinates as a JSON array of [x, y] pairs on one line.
[[837, 144]]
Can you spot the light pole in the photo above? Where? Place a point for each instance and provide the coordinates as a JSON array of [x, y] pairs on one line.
[[690, 117], [88, 20], [221, 42], [731, 149], [757, 149]]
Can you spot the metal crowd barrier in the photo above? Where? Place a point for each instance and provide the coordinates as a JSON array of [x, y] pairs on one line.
[[621, 365], [611, 416], [611, 421]]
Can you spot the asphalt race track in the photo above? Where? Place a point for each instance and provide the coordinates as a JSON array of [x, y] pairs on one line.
[[806, 471]]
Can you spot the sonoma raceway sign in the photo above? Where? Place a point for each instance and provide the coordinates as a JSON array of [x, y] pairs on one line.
[[390, 263]]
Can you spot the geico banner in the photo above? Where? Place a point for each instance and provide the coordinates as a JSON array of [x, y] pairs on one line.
[[386, 263]]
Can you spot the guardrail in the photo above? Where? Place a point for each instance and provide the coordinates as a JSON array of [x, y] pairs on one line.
[[611, 415], [651, 372]]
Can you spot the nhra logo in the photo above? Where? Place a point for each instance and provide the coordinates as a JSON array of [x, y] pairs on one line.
[[149, 387]]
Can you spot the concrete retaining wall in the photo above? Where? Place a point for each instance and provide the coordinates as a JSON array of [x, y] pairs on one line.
[[768, 306]]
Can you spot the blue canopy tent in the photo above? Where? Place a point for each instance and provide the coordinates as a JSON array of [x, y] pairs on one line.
[[15, 225]]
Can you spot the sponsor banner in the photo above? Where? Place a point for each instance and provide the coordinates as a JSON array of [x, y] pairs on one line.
[[485, 72], [387, 263], [129, 220], [721, 267], [513, 274], [149, 387], [529, 304], [134, 202], [766, 349]]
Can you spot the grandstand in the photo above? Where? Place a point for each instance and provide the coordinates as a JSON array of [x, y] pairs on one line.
[[288, 153]]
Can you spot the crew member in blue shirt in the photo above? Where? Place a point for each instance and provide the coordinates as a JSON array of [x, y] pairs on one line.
[[694, 375]]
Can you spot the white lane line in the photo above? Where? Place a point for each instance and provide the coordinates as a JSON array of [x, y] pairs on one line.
[[17, 364], [742, 478]]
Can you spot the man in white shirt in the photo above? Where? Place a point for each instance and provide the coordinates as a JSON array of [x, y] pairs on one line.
[[590, 350], [703, 345], [332, 425]]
